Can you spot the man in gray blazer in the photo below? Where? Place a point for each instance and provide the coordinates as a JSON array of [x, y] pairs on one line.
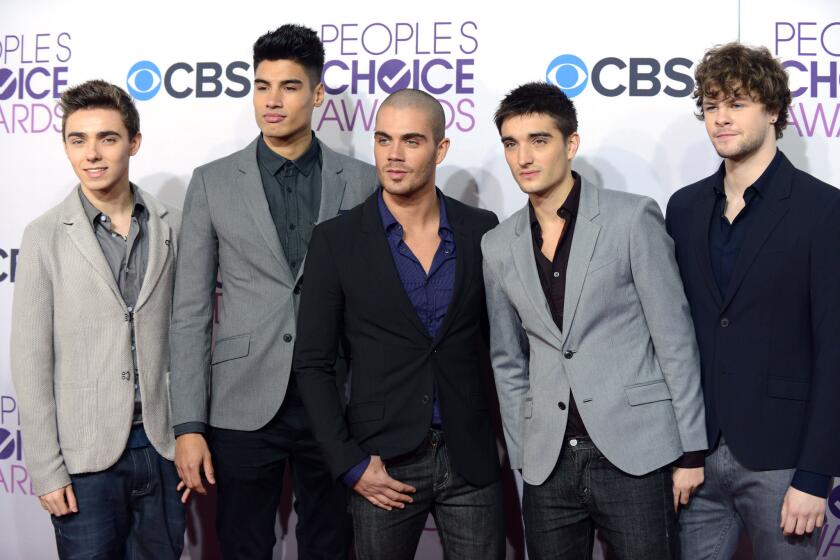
[[90, 357], [249, 217], [592, 346]]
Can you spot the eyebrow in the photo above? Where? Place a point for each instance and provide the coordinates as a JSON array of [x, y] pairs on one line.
[[101, 134], [295, 81], [531, 136], [406, 136]]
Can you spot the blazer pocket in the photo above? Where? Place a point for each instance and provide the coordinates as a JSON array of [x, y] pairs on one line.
[[528, 407], [75, 411], [788, 389], [647, 392], [366, 411], [231, 348], [602, 262]]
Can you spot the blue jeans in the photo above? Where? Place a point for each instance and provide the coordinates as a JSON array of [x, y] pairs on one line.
[[469, 518], [130, 510], [634, 514], [734, 499]]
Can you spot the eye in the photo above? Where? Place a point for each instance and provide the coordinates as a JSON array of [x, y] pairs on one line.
[[508, 145], [411, 142], [540, 141], [381, 140], [291, 88], [109, 140]]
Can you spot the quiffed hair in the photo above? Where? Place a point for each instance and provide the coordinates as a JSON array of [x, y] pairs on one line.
[[99, 94], [296, 43], [539, 98]]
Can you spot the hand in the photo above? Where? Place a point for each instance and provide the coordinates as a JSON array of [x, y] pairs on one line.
[[686, 482], [801, 512], [60, 502], [191, 457], [380, 489]]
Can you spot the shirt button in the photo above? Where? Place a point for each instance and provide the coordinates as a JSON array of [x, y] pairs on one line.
[[130, 308], [291, 226], [557, 275], [425, 399], [103, 218], [296, 291], [573, 442], [293, 263], [287, 338], [568, 354], [724, 322], [561, 405]]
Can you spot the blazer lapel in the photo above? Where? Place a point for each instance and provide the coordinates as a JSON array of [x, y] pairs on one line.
[[81, 234], [249, 184], [333, 184], [583, 245], [701, 218], [768, 215], [160, 243], [526, 266], [464, 261], [377, 253]]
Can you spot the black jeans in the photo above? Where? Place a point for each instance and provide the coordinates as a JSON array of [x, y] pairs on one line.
[[249, 473], [469, 518], [635, 514], [130, 510]]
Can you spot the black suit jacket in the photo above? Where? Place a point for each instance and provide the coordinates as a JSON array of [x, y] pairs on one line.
[[770, 347], [353, 294]]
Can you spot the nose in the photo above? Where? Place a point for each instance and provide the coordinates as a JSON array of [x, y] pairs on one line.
[[92, 152], [722, 117], [274, 98], [396, 152], [524, 155]]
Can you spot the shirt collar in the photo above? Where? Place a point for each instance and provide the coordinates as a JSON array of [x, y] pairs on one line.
[[390, 223], [570, 205], [94, 215], [274, 162], [761, 184]]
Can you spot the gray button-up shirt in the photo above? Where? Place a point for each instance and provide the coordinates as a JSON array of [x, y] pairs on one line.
[[127, 257], [293, 191]]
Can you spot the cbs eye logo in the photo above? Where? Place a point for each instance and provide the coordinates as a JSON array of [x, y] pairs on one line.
[[569, 73], [143, 80]]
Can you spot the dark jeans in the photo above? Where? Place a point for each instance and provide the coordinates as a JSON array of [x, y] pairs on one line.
[[469, 518], [635, 514], [130, 510], [249, 474]]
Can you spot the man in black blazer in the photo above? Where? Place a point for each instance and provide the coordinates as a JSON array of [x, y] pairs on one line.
[[398, 280], [758, 245]]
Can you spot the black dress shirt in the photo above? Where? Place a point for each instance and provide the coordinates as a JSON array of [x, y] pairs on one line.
[[293, 192]]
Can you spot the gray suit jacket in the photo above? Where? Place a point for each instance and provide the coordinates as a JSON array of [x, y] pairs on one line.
[[71, 347], [240, 383], [627, 351]]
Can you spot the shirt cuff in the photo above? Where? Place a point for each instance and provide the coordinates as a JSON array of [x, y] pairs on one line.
[[812, 483], [190, 428], [351, 477], [691, 460]]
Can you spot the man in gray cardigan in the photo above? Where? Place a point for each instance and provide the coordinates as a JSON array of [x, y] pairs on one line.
[[592, 346], [248, 217], [90, 357]]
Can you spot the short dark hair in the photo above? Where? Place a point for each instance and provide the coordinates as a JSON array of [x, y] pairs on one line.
[[297, 43], [539, 98], [99, 94], [409, 97], [734, 69]]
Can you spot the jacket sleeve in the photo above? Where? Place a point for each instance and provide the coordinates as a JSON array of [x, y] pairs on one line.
[[319, 328], [665, 307], [191, 329], [509, 356], [33, 363]]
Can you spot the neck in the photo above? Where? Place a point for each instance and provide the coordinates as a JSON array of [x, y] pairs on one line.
[[416, 209], [115, 201], [547, 203], [291, 147], [743, 172]]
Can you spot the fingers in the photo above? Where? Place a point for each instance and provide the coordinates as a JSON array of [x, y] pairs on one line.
[[55, 502], [185, 496], [71, 500], [676, 493], [208, 468]]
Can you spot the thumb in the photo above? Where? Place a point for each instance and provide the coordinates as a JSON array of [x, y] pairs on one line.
[[71, 499]]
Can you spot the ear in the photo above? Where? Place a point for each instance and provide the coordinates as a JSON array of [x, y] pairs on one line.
[[134, 145], [440, 151], [572, 145], [319, 94]]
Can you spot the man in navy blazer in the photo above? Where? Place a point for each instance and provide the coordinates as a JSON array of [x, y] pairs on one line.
[[758, 246]]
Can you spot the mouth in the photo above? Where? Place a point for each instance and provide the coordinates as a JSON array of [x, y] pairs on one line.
[[724, 135], [94, 172], [396, 174], [529, 174], [274, 118]]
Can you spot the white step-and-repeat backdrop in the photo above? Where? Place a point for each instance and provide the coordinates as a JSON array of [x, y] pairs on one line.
[[628, 65]]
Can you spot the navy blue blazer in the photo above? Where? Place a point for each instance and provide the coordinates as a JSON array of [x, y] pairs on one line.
[[770, 346]]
